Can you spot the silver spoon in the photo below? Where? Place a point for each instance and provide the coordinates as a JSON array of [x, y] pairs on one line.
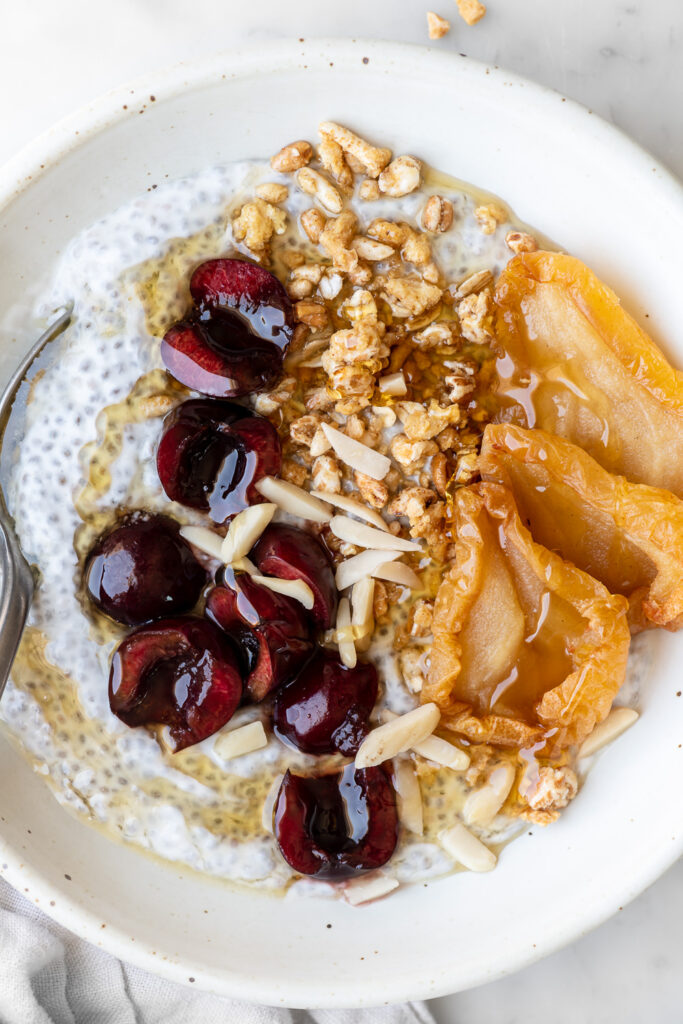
[[16, 575]]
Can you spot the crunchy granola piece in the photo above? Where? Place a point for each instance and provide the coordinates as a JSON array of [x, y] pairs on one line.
[[460, 384], [437, 215], [411, 663], [410, 296], [489, 216], [432, 527], [410, 453], [368, 190], [354, 427], [313, 314], [476, 319], [336, 238], [331, 156], [421, 618], [318, 399], [319, 444], [388, 231], [471, 11], [292, 258], [326, 474], [467, 468], [293, 472], [299, 289], [448, 439], [360, 275], [437, 335], [353, 387], [256, 224], [551, 790], [520, 241], [380, 603], [272, 192], [313, 222], [374, 493], [412, 502], [437, 26], [416, 248], [421, 424], [372, 158], [363, 343], [315, 184], [431, 274], [401, 177], [304, 429], [308, 272], [292, 157], [270, 401], [370, 249], [360, 305], [330, 284], [441, 474], [474, 283]]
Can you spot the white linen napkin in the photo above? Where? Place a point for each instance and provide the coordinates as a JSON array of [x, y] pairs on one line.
[[50, 976]]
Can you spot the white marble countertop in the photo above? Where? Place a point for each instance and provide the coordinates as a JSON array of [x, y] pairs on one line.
[[621, 58]]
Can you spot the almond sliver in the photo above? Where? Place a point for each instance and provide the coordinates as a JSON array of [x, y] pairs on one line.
[[269, 803], [362, 611], [483, 804], [240, 741], [347, 648], [364, 536], [245, 529], [293, 499], [398, 735], [357, 455], [409, 796], [617, 722], [359, 566], [353, 507], [433, 748], [397, 572], [206, 540], [297, 589], [393, 384], [362, 890], [465, 848]]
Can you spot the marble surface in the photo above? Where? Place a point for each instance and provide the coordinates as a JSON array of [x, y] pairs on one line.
[[621, 58]]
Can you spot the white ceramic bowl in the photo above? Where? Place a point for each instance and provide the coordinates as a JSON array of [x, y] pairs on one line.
[[599, 196]]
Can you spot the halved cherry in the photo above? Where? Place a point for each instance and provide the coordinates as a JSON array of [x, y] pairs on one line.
[[212, 453], [293, 554], [180, 672], [338, 825], [271, 627], [143, 570], [218, 355], [326, 708], [248, 290]]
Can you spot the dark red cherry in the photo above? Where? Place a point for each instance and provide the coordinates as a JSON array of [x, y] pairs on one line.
[[179, 672], [218, 355], [212, 453], [143, 570], [326, 708], [250, 292], [337, 825], [271, 628], [293, 554]]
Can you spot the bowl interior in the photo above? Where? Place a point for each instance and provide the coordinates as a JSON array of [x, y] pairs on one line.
[[579, 182]]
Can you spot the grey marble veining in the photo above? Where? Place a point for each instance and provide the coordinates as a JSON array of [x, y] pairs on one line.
[[621, 58]]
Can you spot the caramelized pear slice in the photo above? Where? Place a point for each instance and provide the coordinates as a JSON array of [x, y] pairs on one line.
[[574, 363], [629, 536], [528, 650]]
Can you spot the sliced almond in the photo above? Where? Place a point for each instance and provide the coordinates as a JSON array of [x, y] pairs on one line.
[[357, 455], [353, 507], [364, 536], [206, 540], [245, 529], [409, 796], [297, 589], [240, 741], [617, 722], [362, 612], [293, 499], [245, 565], [397, 572], [398, 735], [347, 648], [393, 384], [355, 568], [433, 748], [372, 887], [269, 804], [483, 804], [464, 847]]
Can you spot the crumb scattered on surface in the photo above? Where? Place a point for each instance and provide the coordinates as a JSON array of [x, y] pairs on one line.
[[437, 26]]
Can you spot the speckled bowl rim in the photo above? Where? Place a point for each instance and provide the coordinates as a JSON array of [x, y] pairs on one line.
[[34, 159]]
